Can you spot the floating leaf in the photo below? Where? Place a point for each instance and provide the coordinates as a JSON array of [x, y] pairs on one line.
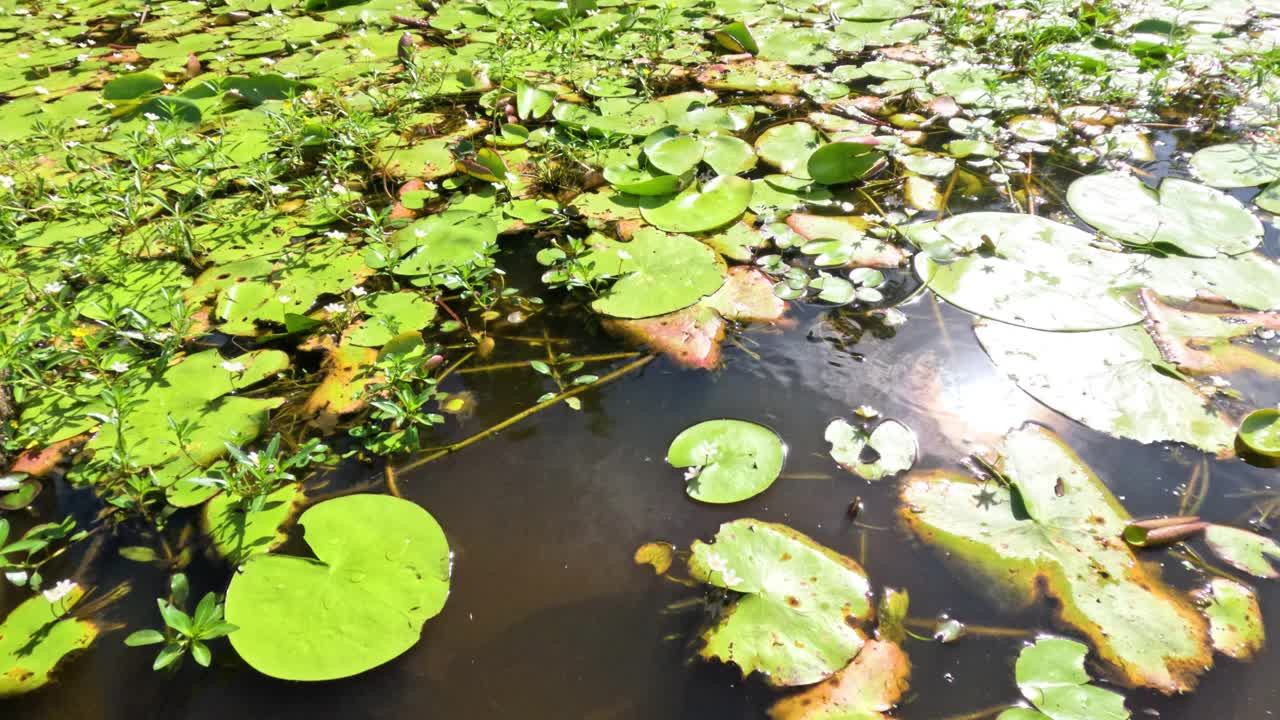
[[1244, 550], [1055, 532], [841, 162], [1052, 677], [728, 460], [381, 570], [788, 147], [238, 532], [793, 620], [643, 181], [673, 153], [1030, 271], [736, 38], [887, 450], [1260, 432], [1114, 381], [1235, 620], [718, 203], [1235, 165], [657, 273], [35, 637], [1186, 216], [865, 689]]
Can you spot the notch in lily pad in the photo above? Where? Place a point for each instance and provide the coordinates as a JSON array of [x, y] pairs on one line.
[[1051, 676], [727, 460]]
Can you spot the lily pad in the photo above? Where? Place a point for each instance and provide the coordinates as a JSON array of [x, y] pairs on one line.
[[788, 147], [1244, 550], [1185, 216], [657, 273], [238, 532], [1052, 677], [1260, 432], [36, 637], [1235, 620], [1114, 381], [717, 203], [728, 460], [866, 689], [381, 570], [887, 450], [1235, 165], [841, 162], [793, 620], [1054, 532]]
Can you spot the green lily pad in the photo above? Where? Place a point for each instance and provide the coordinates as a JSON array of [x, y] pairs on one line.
[[391, 315], [728, 460], [1052, 677], [716, 204], [841, 162], [673, 153], [1235, 165], [1189, 217], [728, 155], [21, 497], [1235, 619], [788, 147], [1114, 381], [887, 450], [1244, 550], [238, 532], [657, 273], [444, 242], [1054, 531], [1030, 271], [643, 181], [36, 637], [381, 570], [1260, 432], [793, 618]]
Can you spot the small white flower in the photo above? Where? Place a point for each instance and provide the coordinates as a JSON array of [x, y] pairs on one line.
[[169, 86], [118, 367], [109, 106], [164, 167], [705, 452], [9, 482], [335, 307], [40, 90], [59, 590], [54, 287], [283, 298], [368, 53], [338, 188], [730, 578], [279, 189], [267, 61], [6, 182], [431, 186], [232, 366], [71, 144], [715, 562], [81, 122], [358, 291], [253, 458], [691, 473], [336, 235], [17, 577], [130, 67], [151, 116], [151, 129]]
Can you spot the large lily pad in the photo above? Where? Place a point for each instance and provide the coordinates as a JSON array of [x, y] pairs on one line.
[[1055, 532], [1184, 216], [1114, 381], [1030, 271], [1235, 165], [794, 619], [728, 460], [381, 570], [716, 204], [657, 273], [35, 637]]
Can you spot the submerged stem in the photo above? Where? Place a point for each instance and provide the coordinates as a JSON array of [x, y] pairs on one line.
[[448, 449]]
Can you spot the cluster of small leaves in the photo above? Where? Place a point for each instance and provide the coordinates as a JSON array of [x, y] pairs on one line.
[[184, 633]]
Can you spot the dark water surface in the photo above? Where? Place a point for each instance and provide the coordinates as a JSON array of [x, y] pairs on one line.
[[549, 618]]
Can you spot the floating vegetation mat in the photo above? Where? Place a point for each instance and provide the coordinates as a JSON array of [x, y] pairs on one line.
[[930, 306]]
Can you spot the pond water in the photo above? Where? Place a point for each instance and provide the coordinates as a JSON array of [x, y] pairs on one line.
[[967, 218], [548, 617]]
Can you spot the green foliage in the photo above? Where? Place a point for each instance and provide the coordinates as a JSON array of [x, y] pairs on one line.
[[184, 633]]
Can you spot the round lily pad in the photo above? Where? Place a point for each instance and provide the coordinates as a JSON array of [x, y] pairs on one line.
[[1260, 432], [717, 203], [841, 162], [643, 181], [657, 273], [728, 460], [381, 570], [1234, 165], [673, 153]]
